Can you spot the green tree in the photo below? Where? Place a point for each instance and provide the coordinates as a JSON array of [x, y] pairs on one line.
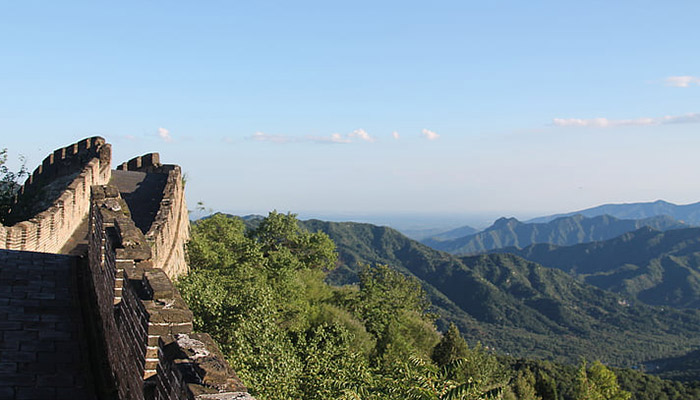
[[9, 184], [219, 242], [286, 246], [452, 347], [331, 366], [524, 385], [417, 378], [546, 386], [598, 383], [384, 294], [261, 295]]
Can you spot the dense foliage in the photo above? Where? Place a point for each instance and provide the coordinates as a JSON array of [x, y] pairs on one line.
[[519, 307], [261, 293]]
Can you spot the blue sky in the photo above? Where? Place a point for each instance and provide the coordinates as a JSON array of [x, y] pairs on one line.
[[445, 107]]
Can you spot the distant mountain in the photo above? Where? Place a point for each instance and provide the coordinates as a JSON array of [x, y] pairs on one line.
[[688, 213], [420, 233], [509, 232], [451, 234], [517, 306], [658, 268]]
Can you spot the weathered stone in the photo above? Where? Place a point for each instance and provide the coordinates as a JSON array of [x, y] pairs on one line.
[[146, 327]]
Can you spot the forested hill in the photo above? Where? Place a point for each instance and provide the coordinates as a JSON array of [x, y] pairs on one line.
[[261, 292], [517, 306], [658, 268], [509, 232], [688, 213]]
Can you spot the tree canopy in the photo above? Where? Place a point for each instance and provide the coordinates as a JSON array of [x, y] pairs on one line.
[[261, 293]]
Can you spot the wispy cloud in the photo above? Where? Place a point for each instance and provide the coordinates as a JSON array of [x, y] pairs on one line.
[[361, 134], [609, 123], [430, 135], [691, 118], [682, 81], [333, 138], [395, 135], [601, 122], [165, 134], [358, 135], [265, 137]]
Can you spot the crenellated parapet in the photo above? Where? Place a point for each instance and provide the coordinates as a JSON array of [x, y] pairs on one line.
[[170, 229], [136, 313], [153, 352], [70, 172], [69, 160]]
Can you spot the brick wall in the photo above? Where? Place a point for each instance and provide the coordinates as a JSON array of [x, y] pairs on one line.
[[49, 230], [147, 327], [142, 322], [171, 227]]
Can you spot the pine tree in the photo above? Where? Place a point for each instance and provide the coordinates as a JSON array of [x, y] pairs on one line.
[[452, 346]]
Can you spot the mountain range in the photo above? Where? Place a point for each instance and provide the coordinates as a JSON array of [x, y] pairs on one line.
[[509, 232], [630, 300], [657, 268], [687, 213], [517, 306]]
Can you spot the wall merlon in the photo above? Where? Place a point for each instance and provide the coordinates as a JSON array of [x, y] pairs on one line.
[[146, 163], [146, 326], [63, 214]]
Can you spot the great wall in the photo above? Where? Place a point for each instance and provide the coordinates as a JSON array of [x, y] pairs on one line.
[[88, 309]]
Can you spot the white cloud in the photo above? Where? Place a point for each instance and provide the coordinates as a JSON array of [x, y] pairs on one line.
[[165, 134], [430, 135], [362, 134], [682, 81], [334, 138], [608, 123], [601, 122], [395, 135], [691, 118], [264, 137]]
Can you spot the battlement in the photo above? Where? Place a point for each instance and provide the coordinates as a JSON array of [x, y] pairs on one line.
[[147, 326], [145, 163], [68, 160], [141, 322], [48, 231], [171, 226]]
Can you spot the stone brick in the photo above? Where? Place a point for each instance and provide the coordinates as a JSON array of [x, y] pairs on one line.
[[39, 325], [34, 393]]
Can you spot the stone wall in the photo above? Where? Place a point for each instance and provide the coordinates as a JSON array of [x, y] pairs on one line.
[[147, 328], [171, 227], [51, 228]]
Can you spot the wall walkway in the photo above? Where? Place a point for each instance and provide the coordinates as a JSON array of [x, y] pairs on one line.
[[135, 318], [42, 348]]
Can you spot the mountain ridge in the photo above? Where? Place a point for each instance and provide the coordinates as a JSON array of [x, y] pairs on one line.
[[517, 306], [688, 213], [510, 232], [657, 268]]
